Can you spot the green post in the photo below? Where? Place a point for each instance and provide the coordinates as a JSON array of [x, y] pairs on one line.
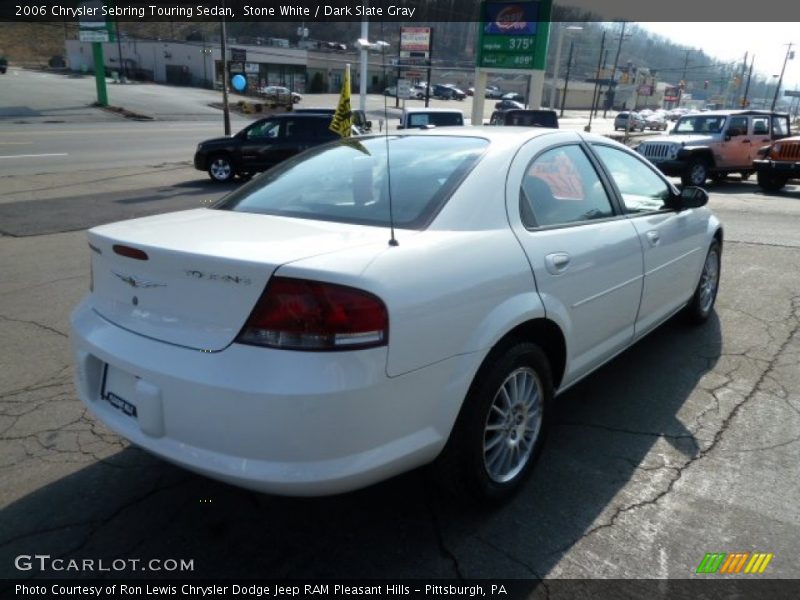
[[100, 73]]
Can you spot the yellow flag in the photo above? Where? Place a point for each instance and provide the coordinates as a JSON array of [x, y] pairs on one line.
[[342, 121]]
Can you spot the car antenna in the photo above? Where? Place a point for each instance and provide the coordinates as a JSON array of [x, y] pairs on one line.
[[392, 240]]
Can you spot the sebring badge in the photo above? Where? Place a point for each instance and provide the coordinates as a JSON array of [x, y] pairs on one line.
[[138, 283]]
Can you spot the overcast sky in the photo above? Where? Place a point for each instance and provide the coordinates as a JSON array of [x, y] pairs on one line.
[[729, 41]]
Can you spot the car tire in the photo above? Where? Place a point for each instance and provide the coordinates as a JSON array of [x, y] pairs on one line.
[[769, 182], [696, 173], [501, 427], [220, 168], [705, 294]]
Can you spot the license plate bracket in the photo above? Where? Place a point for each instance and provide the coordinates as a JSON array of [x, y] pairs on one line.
[[117, 385]]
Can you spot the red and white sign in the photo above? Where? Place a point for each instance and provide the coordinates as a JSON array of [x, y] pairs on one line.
[[511, 18], [415, 39]]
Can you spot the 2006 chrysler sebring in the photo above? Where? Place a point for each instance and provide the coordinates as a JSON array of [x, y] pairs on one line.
[[289, 340]]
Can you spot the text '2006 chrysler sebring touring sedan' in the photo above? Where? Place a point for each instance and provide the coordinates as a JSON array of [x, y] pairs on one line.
[[289, 340]]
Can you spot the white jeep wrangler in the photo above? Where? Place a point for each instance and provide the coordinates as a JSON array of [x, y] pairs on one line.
[[714, 144]]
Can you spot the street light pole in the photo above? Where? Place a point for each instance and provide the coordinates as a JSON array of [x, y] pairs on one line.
[[588, 128], [562, 30], [789, 54], [566, 79], [226, 115], [362, 80]]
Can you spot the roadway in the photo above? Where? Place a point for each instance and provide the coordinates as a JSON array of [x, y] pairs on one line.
[[686, 444]]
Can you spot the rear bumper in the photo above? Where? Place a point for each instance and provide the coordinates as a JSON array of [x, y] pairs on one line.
[[294, 423]]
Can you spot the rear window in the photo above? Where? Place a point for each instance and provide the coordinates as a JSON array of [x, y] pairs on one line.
[[435, 118], [348, 181]]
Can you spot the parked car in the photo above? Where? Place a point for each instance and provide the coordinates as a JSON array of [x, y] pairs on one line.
[[778, 164], [715, 144], [3, 64], [656, 121], [506, 104], [621, 121], [276, 96], [286, 340], [525, 118], [421, 118], [359, 116], [514, 96], [492, 91], [262, 144], [445, 92], [458, 93]]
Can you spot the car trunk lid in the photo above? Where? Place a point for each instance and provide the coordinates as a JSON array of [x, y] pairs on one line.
[[192, 278]]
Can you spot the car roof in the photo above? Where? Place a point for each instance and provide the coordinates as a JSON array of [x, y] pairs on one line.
[[432, 110], [727, 113], [296, 115]]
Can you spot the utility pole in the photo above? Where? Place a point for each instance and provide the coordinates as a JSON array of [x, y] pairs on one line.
[[123, 69], [588, 128], [683, 78], [789, 54], [747, 86], [600, 90], [736, 96], [613, 91], [566, 79]]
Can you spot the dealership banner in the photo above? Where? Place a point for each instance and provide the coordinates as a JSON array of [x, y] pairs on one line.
[[703, 586], [396, 11]]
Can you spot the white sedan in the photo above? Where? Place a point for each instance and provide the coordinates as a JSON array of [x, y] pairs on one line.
[[334, 323]]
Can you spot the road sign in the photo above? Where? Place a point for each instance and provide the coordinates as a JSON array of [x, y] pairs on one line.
[[93, 35], [403, 89]]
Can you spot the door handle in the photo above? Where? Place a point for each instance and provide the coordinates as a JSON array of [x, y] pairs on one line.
[[653, 237], [745, 141], [557, 262]]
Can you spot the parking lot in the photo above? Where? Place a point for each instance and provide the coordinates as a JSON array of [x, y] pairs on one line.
[[688, 443]]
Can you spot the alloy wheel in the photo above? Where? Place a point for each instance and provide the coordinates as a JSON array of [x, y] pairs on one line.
[[513, 425]]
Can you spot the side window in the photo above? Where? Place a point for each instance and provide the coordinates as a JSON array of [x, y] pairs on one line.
[[641, 188], [760, 125], [265, 130], [780, 127], [561, 186], [737, 126]]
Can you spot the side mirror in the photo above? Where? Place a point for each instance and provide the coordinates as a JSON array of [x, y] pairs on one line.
[[692, 197]]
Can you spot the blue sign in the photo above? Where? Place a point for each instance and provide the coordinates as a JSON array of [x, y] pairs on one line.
[[239, 82]]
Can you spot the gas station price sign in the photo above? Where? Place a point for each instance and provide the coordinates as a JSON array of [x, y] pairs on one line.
[[513, 34]]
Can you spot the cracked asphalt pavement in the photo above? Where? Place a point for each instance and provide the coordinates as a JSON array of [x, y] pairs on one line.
[[687, 443]]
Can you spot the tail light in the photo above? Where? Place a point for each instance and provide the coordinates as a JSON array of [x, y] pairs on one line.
[[298, 314]]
